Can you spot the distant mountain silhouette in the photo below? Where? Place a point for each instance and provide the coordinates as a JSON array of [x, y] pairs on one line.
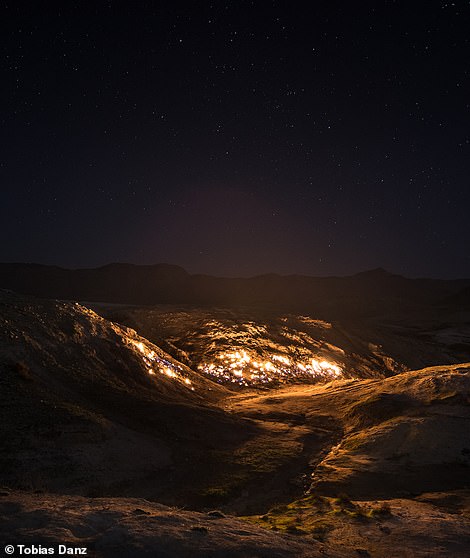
[[121, 283], [367, 293], [461, 299]]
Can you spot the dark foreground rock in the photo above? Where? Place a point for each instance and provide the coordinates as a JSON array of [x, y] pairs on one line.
[[133, 528], [435, 525]]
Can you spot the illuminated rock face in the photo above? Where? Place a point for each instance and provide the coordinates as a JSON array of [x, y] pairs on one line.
[[262, 362], [251, 353], [257, 347]]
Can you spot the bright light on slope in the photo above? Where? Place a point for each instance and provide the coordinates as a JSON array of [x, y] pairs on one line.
[[155, 363], [246, 369]]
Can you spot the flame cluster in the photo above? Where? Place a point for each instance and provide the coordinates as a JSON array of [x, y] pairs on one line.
[[156, 364], [241, 367]]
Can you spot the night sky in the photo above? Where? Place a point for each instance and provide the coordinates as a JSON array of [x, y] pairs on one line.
[[237, 138]]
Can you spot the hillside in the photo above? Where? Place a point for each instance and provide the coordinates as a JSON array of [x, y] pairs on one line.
[[249, 346], [91, 407], [101, 424]]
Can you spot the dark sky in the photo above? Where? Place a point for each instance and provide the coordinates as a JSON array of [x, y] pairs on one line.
[[237, 138]]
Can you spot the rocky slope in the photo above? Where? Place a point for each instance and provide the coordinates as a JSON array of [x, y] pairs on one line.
[[398, 436], [349, 467], [250, 347], [91, 407]]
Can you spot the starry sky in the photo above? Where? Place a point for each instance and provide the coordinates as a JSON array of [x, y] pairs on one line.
[[237, 138]]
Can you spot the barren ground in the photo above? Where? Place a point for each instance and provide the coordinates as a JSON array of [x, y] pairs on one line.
[[99, 424]]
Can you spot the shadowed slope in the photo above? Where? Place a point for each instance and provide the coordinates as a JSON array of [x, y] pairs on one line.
[[89, 406]]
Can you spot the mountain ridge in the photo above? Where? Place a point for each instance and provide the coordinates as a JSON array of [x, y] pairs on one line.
[[367, 293]]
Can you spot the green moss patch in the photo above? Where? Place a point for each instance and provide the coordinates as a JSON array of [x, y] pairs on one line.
[[317, 515]]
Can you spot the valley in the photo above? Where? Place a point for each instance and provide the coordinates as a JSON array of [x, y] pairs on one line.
[[307, 437]]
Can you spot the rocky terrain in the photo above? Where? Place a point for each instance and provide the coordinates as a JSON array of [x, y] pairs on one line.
[[128, 527], [254, 347], [121, 440]]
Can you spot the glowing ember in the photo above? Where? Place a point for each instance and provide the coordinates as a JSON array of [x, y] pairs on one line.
[[259, 361], [154, 362], [247, 369]]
